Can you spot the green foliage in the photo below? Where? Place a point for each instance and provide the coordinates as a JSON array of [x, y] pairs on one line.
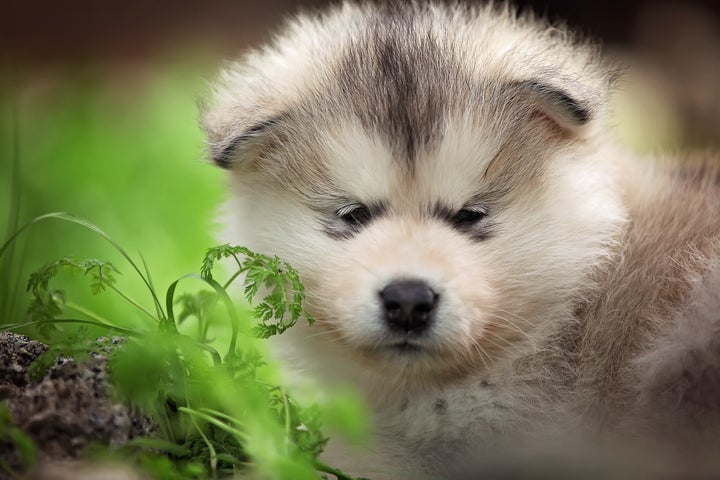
[[47, 303], [199, 306], [282, 306], [217, 415], [116, 143]]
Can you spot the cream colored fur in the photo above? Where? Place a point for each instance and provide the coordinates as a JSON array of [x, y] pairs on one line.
[[592, 262]]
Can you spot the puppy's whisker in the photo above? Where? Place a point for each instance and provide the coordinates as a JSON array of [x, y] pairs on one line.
[[361, 265], [502, 348], [505, 325], [482, 354], [514, 315], [515, 327]]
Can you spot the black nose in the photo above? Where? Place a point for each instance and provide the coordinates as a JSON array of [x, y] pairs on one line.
[[408, 305]]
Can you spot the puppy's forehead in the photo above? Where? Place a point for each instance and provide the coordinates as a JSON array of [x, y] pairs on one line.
[[398, 85], [364, 166], [397, 76], [399, 112]]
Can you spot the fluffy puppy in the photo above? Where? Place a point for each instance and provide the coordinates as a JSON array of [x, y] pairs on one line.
[[483, 262]]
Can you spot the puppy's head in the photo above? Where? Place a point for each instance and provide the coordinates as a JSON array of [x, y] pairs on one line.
[[432, 172]]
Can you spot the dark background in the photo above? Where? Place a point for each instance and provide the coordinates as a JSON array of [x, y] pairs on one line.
[[58, 30], [671, 46]]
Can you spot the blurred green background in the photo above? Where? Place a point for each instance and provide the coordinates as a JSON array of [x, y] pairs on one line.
[[99, 110], [119, 147]]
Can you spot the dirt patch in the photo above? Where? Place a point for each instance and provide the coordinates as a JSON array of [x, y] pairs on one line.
[[17, 352], [71, 407]]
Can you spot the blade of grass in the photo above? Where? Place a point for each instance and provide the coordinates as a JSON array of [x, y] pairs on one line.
[[152, 285], [68, 217], [131, 301], [95, 323]]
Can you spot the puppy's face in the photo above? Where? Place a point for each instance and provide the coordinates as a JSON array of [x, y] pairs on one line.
[[437, 265], [436, 225]]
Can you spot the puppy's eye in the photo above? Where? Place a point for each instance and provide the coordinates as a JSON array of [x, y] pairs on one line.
[[466, 217], [356, 214]]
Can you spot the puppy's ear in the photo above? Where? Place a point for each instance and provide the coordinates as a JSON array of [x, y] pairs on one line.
[[570, 109], [241, 116], [237, 147]]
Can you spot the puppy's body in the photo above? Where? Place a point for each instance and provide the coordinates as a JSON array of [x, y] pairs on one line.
[[481, 259]]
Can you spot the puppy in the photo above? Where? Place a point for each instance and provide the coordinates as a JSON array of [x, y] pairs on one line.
[[483, 262]]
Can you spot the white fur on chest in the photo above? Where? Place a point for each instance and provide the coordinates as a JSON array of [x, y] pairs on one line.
[[446, 429]]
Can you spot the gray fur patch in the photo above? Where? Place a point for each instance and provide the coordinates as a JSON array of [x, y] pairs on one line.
[[398, 82], [440, 406]]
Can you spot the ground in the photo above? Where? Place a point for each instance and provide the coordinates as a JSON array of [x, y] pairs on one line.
[[65, 411]]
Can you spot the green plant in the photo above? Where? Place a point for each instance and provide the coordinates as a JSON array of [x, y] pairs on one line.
[[217, 414]]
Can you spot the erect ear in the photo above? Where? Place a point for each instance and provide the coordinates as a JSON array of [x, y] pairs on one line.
[[231, 148], [569, 108]]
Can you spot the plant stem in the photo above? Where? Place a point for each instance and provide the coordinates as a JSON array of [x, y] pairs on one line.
[[213, 453], [239, 263], [232, 279], [286, 406], [214, 421], [322, 467], [222, 415]]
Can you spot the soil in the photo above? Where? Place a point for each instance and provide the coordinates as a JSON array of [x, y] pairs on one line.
[[71, 407]]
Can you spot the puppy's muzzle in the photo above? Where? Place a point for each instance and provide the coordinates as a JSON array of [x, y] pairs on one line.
[[408, 306]]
